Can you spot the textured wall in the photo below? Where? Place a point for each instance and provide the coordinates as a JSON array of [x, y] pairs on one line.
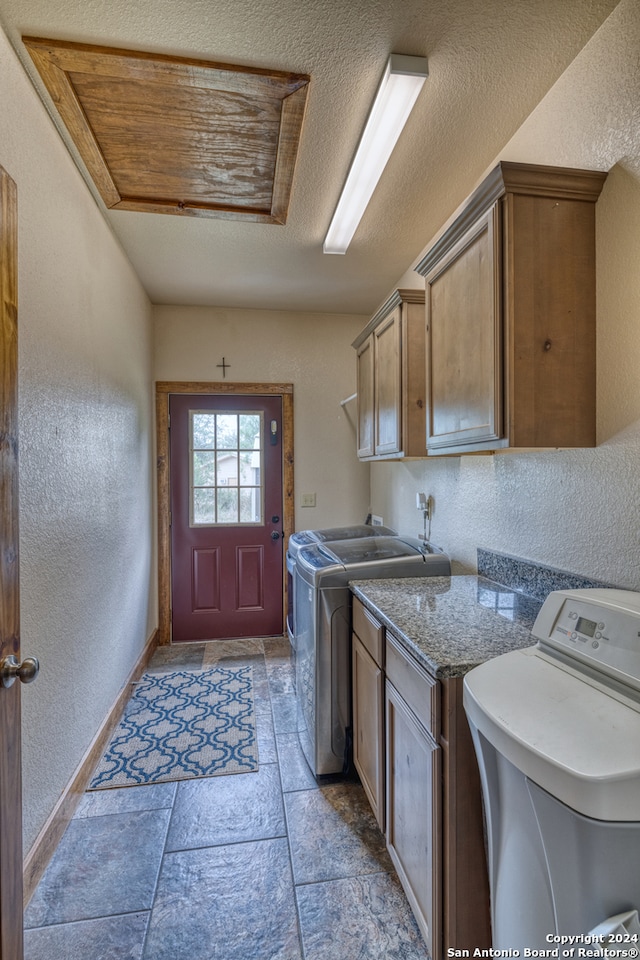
[[313, 352], [578, 510], [86, 517]]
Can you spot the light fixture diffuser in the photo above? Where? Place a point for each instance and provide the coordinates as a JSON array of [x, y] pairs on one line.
[[399, 88]]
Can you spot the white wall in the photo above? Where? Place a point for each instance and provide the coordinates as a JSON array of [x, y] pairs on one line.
[[311, 351], [86, 517], [576, 510]]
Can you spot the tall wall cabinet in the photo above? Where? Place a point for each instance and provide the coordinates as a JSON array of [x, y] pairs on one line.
[[391, 388], [510, 310]]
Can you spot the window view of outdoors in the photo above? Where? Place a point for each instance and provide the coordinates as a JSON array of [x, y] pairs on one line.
[[226, 468]]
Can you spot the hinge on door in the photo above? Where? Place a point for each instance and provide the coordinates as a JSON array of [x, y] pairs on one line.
[[170, 518]]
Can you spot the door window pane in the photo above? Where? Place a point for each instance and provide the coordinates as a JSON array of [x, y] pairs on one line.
[[204, 506], [227, 505], [226, 458], [250, 505], [204, 469], [249, 431], [203, 428], [227, 468], [227, 431]]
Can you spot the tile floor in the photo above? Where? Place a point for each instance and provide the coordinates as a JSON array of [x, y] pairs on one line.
[[241, 867]]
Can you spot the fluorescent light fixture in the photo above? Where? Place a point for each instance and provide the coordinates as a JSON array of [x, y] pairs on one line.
[[399, 88]]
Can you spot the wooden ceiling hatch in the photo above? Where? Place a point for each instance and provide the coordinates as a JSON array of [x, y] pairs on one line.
[[167, 134]]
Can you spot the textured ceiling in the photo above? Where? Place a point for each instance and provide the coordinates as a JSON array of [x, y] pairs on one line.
[[490, 63]]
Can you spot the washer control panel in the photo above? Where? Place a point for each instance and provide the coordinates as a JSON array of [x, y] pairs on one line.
[[597, 627], [581, 628]]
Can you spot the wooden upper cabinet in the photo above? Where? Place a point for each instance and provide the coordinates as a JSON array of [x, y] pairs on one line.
[[465, 382], [387, 384], [391, 384], [510, 310], [365, 399]]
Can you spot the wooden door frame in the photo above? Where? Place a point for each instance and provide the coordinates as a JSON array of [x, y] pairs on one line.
[[11, 879], [164, 388]]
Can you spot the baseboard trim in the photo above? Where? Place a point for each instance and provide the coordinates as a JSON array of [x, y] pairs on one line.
[[52, 832]]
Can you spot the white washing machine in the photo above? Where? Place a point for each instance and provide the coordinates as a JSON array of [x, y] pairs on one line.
[[556, 728]]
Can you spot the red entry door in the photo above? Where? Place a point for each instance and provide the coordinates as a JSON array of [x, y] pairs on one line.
[[226, 516]]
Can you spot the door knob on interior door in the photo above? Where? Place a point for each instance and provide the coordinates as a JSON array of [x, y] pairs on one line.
[[11, 670]]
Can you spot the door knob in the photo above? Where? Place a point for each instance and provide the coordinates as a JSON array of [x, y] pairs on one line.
[[275, 535], [11, 670]]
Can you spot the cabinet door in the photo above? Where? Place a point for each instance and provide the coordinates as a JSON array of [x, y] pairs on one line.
[[388, 384], [464, 341], [368, 727], [413, 814], [365, 398]]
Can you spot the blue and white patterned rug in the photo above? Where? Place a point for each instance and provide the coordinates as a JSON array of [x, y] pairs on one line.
[[183, 725]]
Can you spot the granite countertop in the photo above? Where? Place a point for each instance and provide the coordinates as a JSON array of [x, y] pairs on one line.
[[451, 624]]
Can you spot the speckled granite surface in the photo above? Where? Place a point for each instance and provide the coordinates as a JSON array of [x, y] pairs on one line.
[[526, 576], [451, 624]]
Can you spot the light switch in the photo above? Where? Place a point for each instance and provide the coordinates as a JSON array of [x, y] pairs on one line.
[[308, 500]]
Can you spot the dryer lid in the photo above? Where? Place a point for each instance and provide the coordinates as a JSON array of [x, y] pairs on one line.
[[352, 532], [368, 549]]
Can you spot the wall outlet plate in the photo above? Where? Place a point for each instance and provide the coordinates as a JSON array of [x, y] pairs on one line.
[[308, 500]]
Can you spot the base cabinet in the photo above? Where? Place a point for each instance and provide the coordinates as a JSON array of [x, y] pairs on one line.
[[414, 753], [368, 727], [368, 707], [413, 813]]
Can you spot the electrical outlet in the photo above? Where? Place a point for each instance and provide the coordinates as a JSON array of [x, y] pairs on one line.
[[308, 500]]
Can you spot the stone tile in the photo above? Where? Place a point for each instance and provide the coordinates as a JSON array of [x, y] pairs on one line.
[[100, 803], [282, 678], [267, 752], [225, 903], [261, 695], [295, 772], [177, 656], [285, 718], [367, 917], [107, 938], [217, 650], [227, 809], [277, 647], [333, 834], [103, 866]]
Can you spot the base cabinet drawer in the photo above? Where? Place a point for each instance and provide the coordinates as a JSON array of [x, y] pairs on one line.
[[418, 689]]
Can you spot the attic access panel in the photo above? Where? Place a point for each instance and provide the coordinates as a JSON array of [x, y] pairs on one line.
[[166, 134]]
